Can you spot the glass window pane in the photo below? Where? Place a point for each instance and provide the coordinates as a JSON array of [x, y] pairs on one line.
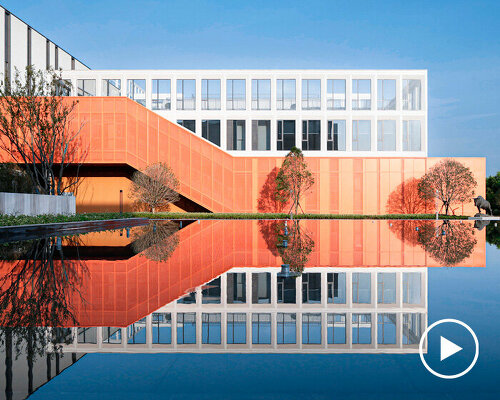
[[111, 87], [361, 94], [386, 329], [286, 328], [361, 287], [236, 288], [188, 124], [261, 94], [235, 134], [235, 94], [210, 130], [261, 135], [311, 94], [160, 94], [361, 329], [210, 293], [161, 328], [285, 94], [336, 138], [336, 328], [386, 287], [210, 94], [361, 135], [336, 287], [412, 287], [236, 328], [411, 136], [311, 288], [186, 94], [386, 135], [136, 90], [412, 94], [136, 333], [261, 288], [311, 328], [211, 328], [111, 335], [286, 289], [261, 328], [186, 328], [386, 94], [336, 94], [86, 87]]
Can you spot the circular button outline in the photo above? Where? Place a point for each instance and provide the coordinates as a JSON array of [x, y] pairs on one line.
[[421, 345]]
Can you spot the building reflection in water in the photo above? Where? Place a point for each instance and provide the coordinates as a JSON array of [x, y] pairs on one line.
[[324, 310], [217, 286]]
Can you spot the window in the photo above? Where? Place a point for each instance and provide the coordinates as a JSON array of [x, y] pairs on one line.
[[311, 328], [412, 94], [210, 130], [386, 287], [261, 94], [186, 94], [86, 87], [111, 87], [286, 290], [412, 328], [386, 329], [361, 328], [336, 287], [361, 94], [236, 328], [162, 328], [210, 328], [261, 135], [411, 287], [411, 136], [285, 94], [311, 94], [111, 335], [286, 328], [210, 293], [186, 328], [311, 135], [235, 134], [189, 298], [236, 288], [336, 328], [261, 288], [386, 135], [210, 94], [261, 328], [161, 94], [386, 94], [87, 335], [361, 135], [311, 288], [285, 135], [336, 135], [136, 90], [136, 333], [188, 124], [235, 94], [361, 287], [335, 94]]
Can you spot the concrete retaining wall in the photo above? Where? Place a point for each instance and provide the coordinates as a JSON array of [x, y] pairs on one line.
[[36, 204]]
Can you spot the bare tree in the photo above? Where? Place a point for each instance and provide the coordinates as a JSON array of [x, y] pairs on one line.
[[156, 186], [294, 179], [450, 182], [36, 129]]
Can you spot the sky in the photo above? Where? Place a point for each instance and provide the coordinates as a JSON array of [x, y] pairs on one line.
[[458, 42]]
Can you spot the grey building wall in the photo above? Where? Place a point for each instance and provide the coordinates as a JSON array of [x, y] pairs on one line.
[[36, 204]]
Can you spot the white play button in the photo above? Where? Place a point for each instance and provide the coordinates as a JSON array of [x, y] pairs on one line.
[[448, 348]]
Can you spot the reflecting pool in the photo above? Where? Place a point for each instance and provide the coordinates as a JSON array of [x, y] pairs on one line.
[[247, 309]]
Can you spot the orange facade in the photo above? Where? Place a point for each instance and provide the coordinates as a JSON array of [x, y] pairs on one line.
[[117, 130], [119, 292]]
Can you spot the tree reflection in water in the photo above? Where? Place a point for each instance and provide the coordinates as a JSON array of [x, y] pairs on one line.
[[37, 287], [294, 245], [449, 243], [157, 240]]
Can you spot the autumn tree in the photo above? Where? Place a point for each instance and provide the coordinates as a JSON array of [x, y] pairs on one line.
[[293, 180], [449, 243], [156, 186], [36, 129], [157, 240], [450, 182], [298, 248]]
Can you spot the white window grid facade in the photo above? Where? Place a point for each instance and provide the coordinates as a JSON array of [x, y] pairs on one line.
[[324, 114], [399, 310]]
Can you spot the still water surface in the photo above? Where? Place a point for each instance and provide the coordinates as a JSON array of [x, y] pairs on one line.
[[248, 309]]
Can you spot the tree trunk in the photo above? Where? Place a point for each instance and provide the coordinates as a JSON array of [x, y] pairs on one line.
[[153, 209]]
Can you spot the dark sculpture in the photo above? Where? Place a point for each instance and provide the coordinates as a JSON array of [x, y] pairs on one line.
[[481, 202]]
